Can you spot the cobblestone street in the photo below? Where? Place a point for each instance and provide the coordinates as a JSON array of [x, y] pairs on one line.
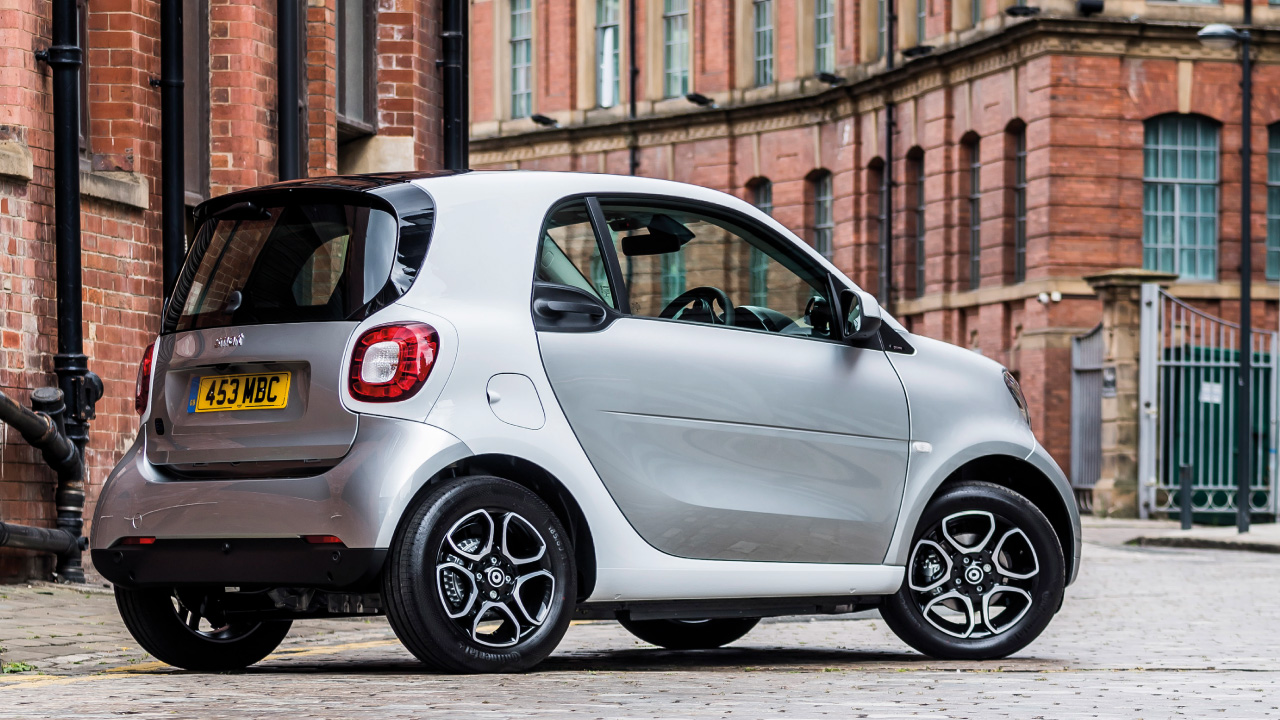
[[1144, 633]]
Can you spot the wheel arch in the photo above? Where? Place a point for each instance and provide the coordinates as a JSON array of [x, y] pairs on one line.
[[540, 482], [1031, 482]]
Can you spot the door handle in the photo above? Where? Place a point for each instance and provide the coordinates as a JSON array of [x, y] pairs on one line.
[[567, 307]]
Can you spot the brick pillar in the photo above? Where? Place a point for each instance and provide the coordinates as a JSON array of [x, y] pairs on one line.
[[1116, 494]]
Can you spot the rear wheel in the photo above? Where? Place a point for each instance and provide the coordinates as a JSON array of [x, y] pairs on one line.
[[187, 629], [689, 634], [480, 578], [984, 577]]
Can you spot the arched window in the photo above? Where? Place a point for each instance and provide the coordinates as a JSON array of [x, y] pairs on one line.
[[823, 213], [1273, 202], [972, 162], [915, 178], [762, 198], [1180, 196], [608, 42], [1018, 141], [521, 58]]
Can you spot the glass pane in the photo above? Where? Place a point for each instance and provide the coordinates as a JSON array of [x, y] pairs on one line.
[[1188, 195], [1166, 260], [676, 249], [569, 251], [1166, 198], [1166, 230]]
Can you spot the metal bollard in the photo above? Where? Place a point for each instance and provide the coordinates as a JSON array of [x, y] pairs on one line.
[[1184, 496]]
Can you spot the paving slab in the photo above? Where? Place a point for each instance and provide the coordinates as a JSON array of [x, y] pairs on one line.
[[1145, 633]]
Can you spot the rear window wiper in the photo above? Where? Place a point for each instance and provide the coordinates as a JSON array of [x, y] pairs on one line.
[[243, 211]]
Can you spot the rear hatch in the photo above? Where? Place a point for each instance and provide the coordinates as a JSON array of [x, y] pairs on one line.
[[248, 373]]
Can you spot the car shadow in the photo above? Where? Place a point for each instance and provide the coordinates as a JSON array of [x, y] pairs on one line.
[[746, 659]]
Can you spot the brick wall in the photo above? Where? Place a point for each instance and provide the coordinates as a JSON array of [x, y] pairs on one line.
[[121, 184]]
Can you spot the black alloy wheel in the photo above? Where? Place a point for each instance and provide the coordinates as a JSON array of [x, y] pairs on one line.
[[188, 629], [481, 578], [984, 577]]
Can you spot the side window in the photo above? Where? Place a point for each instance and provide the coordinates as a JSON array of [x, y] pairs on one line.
[[683, 263], [569, 254]]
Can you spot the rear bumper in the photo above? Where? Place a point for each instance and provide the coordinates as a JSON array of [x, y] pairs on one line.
[[289, 562], [360, 500]]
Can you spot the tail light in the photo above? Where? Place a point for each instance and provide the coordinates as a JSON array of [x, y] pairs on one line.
[[392, 362], [142, 390]]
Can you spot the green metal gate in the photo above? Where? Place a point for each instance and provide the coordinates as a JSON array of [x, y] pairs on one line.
[[1189, 366]]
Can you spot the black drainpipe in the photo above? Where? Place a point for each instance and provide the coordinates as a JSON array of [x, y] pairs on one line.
[[288, 64], [886, 190], [453, 38], [80, 387], [172, 173]]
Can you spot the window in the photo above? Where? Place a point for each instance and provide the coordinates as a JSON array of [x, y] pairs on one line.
[[882, 27], [311, 261], [824, 35], [762, 198], [823, 217], [608, 42], [675, 48], [568, 248], [521, 58], [1019, 205], [763, 10], [663, 244], [1273, 203], [1180, 196], [875, 210], [915, 170], [922, 16], [672, 276], [975, 12], [195, 100], [356, 93], [973, 152], [82, 39]]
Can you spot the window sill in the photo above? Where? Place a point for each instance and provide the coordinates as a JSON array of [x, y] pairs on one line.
[[123, 188], [15, 160]]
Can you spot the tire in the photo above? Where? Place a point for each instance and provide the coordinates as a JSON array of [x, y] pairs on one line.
[[452, 551], [689, 634], [1015, 567], [159, 621]]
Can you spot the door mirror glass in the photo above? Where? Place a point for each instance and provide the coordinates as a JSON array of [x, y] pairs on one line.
[[861, 315]]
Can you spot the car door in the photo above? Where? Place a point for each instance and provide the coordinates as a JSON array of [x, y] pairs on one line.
[[747, 434]]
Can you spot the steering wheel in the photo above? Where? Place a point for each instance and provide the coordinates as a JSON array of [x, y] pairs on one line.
[[706, 296]]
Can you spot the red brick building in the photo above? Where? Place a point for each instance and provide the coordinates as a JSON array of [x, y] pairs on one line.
[[371, 94], [1027, 152]]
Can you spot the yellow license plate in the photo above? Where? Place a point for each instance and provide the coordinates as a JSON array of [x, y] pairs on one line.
[[254, 391]]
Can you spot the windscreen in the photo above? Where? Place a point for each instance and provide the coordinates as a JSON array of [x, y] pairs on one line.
[[299, 262]]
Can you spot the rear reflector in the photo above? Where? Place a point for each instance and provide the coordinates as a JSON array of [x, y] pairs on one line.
[[142, 390], [138, 541], [392, 362], [323, 539]]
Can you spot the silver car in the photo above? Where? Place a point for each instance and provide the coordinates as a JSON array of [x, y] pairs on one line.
[[485, 404]]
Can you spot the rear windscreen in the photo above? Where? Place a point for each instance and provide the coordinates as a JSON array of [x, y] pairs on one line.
[[295, 263]]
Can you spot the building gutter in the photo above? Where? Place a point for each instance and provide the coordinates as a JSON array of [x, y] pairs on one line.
[[457, 126], [172, 172]]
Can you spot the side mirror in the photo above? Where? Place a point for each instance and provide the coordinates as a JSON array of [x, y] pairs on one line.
[[860, 314]]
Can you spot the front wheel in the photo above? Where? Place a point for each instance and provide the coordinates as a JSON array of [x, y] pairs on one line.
[[480, 578], [689, 634], [984, 577], [188, 629]]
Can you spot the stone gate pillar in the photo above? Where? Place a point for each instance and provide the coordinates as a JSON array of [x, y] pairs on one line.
[[1116, 494]]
